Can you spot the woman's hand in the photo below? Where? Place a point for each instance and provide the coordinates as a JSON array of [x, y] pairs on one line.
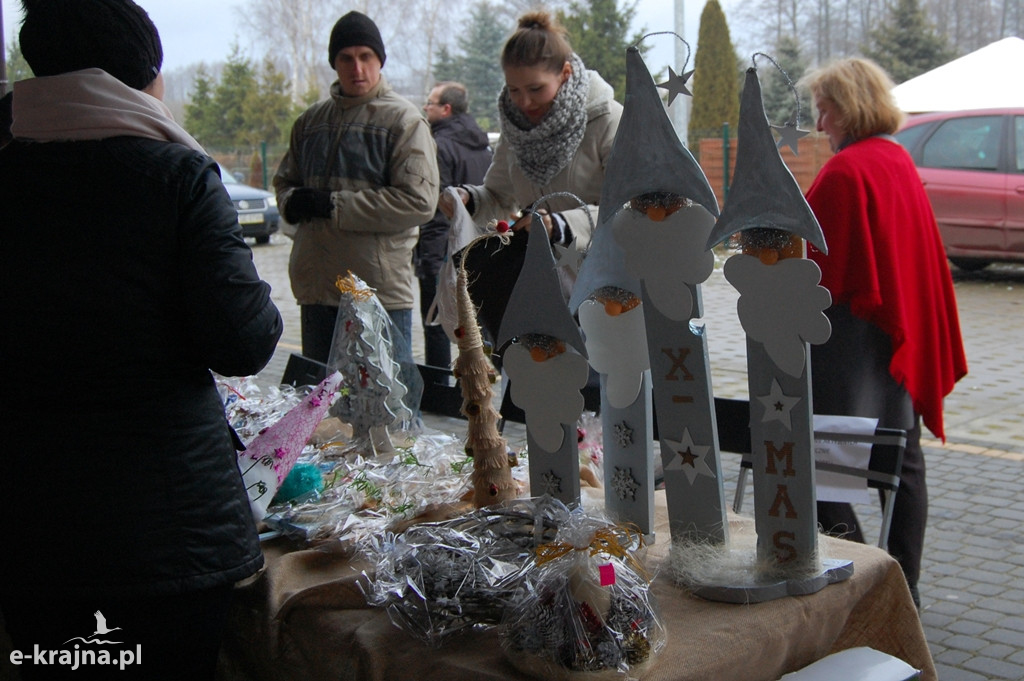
[[519, 221], [447, 205]]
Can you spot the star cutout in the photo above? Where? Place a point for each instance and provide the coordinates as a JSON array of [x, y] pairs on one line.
[[623, 434], [689, 457], [676, 85], [624, 484], [568, 257], [552, 484], [777, 406], [789, 134]]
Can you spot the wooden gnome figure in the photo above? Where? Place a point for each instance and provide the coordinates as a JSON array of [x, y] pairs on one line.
[[612, 320], [547, 367], [781, 308], [492, 476], [371, 399], [661, 234]]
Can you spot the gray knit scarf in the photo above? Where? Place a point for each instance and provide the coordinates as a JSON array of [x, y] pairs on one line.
[[542, 150]]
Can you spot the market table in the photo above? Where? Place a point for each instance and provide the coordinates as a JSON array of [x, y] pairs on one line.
[[305, 618]]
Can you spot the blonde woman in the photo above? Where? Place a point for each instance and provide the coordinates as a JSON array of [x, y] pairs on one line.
[[895, 349]]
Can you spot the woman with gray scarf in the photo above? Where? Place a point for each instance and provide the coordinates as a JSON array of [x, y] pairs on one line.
[[558, 122]]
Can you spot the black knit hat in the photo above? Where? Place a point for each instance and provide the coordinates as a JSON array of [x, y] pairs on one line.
[[117, 36], [352, 30]]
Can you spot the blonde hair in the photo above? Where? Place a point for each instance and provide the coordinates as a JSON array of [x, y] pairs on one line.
[[538, 41], [862, 94]]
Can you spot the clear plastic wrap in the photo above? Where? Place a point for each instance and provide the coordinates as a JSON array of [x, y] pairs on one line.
[[584, 610], [251, 409], [365, 494], [439, 578]]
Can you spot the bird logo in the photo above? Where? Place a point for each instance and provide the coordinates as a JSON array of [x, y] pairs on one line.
[[101, 630], [101, 625]]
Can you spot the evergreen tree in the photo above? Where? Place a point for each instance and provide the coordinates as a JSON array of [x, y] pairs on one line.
[[598, 33], [779, 101], [716, 98], [478, 67], [267, 110], [447, 66], [237, 83], [17, 67], [200, 113], [311, 97], [907, 45]]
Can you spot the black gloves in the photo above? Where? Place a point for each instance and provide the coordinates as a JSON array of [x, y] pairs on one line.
[[306, 203]]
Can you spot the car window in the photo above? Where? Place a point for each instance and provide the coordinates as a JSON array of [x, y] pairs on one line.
[[1018, 124], [908, 136], [970, 143]]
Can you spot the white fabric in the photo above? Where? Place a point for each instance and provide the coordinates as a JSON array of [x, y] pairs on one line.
[[988, 78], [90, 105], [856, 664], [444, 309]]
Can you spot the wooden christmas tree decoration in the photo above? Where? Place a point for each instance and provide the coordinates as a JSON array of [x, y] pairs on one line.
[[361, 350], [492, 476]]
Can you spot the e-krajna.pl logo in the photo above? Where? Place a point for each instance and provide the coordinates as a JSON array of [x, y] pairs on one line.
[[87, 653]]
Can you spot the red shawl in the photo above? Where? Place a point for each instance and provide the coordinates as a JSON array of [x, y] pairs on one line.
[[886, 260]]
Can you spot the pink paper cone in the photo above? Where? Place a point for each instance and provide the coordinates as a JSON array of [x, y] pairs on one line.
[[272, 454]]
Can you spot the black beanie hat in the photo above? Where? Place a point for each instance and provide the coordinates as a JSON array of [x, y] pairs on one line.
[[352, 30], [59, 36]]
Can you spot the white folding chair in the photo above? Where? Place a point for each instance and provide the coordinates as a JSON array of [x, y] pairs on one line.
[[882, 473]]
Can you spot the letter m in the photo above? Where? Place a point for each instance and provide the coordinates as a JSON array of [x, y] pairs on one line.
[[784, 454]]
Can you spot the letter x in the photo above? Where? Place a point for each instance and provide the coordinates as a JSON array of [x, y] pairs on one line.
[[678, 363]]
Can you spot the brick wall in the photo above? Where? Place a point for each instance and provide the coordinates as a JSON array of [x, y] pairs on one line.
[[814, 151]]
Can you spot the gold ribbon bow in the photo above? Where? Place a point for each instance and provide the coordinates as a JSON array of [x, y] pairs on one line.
[[613, 540], [348, 285]]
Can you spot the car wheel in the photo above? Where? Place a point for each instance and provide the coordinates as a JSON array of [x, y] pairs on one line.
[[263, 239], [970, 264]]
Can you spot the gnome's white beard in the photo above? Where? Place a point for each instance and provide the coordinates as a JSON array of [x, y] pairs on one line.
[[548, 391], [617, 346], [781, 306], [669, 256]]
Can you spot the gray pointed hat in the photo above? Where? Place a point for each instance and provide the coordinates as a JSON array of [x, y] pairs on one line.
[[764, 192], [646, 157], [536, 304]]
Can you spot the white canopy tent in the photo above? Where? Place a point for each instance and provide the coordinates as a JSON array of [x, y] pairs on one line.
[[987, 78]]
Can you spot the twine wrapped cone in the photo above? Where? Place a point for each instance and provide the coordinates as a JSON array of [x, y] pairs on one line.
[[492, 476]]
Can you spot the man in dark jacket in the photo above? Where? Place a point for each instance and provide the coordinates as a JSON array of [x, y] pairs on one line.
[[126, 281], [463, 157]]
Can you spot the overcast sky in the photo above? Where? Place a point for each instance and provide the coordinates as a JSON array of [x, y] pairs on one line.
[[204, 30]]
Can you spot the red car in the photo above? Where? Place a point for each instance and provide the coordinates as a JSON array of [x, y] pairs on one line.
[[972, 166]]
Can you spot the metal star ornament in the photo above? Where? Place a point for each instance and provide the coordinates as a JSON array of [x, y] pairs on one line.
[[676, 84], [568, 257], [777, 405], [789, 135]]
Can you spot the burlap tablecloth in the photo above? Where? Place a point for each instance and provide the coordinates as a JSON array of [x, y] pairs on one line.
[[305, 618]]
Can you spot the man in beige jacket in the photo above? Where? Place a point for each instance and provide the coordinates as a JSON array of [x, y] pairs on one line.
[[359, 177]]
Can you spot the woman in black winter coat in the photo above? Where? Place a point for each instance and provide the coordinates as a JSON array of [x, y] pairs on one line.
[[125, 282]]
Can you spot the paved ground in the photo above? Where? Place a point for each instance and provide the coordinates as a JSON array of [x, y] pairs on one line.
[[972, 586]]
